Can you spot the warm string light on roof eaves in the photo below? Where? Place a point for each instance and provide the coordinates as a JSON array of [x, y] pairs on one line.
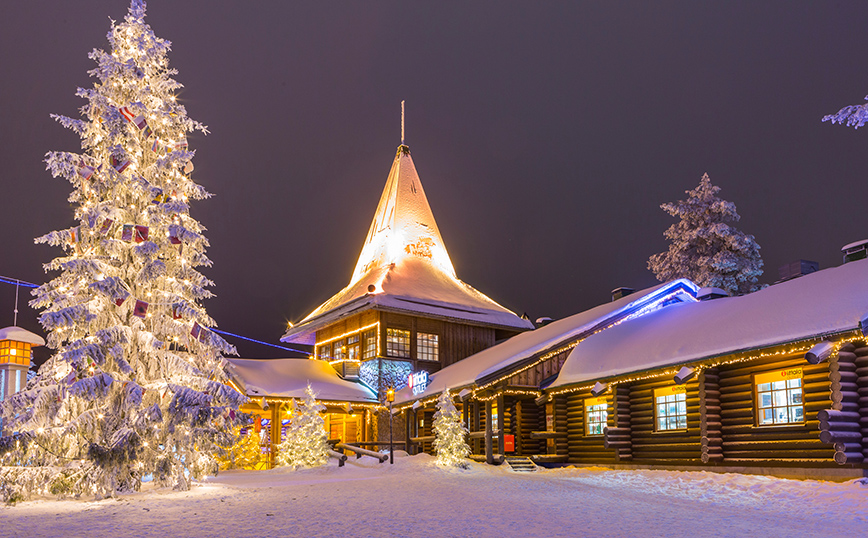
[[550, 354], [796, 348], [349, 333]]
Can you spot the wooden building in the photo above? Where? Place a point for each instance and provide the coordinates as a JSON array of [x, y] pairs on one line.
[[774, 382], [404, 310], [270, 384], [499, 389]]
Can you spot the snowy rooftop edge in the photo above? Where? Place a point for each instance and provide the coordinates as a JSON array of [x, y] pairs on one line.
[[468, 371], [825, 302], [288, 378]]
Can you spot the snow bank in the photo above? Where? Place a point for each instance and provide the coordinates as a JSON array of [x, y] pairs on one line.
[[416, 498]]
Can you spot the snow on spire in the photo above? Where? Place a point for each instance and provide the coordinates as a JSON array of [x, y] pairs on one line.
[[403, 226]]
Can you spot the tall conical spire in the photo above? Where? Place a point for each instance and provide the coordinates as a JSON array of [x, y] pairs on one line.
[[404, 266], [403, 224]]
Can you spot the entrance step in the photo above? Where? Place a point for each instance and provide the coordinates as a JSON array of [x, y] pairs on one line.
[[521, 464]]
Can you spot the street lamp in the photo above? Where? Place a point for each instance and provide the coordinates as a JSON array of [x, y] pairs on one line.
[[390, 397]]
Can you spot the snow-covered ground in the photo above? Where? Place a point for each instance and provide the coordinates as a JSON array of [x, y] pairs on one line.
[[415, 498]]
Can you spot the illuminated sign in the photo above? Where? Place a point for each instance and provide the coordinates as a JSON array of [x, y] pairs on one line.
[[779, 375], [590, 402], [670, 391], [418, 382]]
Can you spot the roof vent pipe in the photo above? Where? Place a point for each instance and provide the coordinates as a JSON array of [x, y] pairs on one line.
[[684, 375], [599, 388], [819, 353]]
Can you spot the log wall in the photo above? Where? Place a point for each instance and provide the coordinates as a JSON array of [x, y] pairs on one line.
[[711, 438], [860, 362], [744, 442], [675, 447], [583, 448], [533, 377]]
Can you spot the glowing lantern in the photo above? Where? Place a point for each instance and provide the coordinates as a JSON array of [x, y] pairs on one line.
[[15, 346]]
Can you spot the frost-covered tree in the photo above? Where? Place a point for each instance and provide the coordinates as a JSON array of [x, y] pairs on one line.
[[704, 248], [135, 384], [306, 443], [853, 115], [449, 433]]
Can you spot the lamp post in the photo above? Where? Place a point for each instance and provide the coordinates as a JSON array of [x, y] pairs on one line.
[[390, 397]]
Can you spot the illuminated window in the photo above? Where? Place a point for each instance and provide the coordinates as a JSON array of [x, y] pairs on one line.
[[353, 347], [339, 351], [370, 344], [670, 408], [397, 343], [596, 415], [325, 352], [427, 347], [779, 397], [494, 416]]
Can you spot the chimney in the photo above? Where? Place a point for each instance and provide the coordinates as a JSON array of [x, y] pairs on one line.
[[855, 251], [543, 321], [796, 269], [708, 294], [617, 293]]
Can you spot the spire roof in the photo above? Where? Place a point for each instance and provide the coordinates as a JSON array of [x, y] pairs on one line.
[[404, 266]]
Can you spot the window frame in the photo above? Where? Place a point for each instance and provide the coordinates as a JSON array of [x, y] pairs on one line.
[[677, 391], [393, 351], [586, 406], [788, 374], [429, 338]]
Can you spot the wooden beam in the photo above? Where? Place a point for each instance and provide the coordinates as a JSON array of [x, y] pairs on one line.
[[489, 450]]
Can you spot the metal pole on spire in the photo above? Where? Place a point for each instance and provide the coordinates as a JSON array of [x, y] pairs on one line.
[[402, 122], [15, 322]]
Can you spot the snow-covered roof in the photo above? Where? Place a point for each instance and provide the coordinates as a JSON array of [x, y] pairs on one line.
[[21, 335], [288, 378], [501, 357], [824, 302], [404, 267]]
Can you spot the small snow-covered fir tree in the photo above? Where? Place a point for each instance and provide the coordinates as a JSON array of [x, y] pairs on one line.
[[245, 453], [704, 248], [135, 386], [306, 443], [449, 434]]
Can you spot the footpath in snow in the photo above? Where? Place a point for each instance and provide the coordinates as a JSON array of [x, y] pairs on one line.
[[416, 498]]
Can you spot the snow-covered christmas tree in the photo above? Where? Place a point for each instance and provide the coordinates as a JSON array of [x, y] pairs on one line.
[[704, 248], [135, 386], [246, 453], [306, 443], [449, 434]]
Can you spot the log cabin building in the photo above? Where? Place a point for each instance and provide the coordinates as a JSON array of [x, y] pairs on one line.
[[504, 382], [270, 384], [774, 382]]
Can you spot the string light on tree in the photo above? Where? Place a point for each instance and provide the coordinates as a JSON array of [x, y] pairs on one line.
[[449, 434], [115, 402], [306, 443]]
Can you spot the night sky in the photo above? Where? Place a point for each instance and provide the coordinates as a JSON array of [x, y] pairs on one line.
[[546, 136]]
